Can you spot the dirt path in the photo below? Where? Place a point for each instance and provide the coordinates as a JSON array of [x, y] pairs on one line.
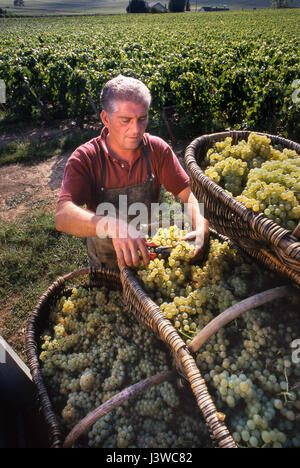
[[35, 132], [24, 188], [28, 187]]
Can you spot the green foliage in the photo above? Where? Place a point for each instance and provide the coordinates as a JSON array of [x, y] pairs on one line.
[[176, 6], [280, 3], [137, 6], [234, 69]]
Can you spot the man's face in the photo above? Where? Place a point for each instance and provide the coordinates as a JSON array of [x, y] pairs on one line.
[[126, 125]]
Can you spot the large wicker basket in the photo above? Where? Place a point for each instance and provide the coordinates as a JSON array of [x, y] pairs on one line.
[[148, 313], [260, 237], [38, 322]]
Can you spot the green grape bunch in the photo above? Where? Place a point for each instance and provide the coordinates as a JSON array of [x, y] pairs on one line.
[[264, 178], [92, 350], [247, 365]]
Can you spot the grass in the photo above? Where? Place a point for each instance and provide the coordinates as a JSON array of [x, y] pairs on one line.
[[33, 152], [32, 256], [29, 152]]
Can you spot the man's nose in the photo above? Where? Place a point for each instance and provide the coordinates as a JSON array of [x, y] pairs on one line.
[[135, 126]]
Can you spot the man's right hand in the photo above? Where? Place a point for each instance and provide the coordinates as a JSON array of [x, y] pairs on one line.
[[128, 242]]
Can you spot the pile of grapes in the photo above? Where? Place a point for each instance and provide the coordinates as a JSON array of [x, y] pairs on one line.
[[264, 178], [248, 364], [92, 350]]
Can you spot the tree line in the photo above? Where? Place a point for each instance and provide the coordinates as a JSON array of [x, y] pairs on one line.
[[174, 6], [179, 6]]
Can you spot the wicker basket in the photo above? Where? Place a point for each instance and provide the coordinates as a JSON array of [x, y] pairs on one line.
[[263, 239], [148, 313], [37, 324]]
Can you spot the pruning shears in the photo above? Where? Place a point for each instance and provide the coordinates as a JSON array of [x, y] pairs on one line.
[[155, 250]]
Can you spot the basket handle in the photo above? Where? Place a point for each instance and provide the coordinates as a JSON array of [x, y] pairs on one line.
[[75, 273], [150, 314], [113, 403], [296, 232], [234, 311]]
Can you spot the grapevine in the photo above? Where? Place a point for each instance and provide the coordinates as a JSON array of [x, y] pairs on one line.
[[213, 77]]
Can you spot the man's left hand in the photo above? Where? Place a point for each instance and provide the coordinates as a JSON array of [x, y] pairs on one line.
[[199, 239]]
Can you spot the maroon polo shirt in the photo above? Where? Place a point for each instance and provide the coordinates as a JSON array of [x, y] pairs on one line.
[[81, 182]]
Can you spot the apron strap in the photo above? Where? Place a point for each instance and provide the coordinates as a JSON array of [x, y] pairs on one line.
[[149, 173], [103, 171]]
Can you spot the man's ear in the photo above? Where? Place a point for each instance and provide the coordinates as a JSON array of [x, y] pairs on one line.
[[104, 118]]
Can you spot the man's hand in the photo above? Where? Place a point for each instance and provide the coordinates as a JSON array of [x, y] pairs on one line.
[[199, 239], [128, 242], [200, 225]]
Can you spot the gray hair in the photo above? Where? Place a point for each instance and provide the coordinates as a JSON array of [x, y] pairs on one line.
[[123, 88]]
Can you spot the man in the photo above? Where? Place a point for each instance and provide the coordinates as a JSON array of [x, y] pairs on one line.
[[123, 160]]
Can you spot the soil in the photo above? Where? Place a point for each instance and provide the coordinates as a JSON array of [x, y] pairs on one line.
[[21, 132], [24, 188], [27, 187]]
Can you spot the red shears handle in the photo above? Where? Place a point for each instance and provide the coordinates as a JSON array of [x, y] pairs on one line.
[[155, 250]]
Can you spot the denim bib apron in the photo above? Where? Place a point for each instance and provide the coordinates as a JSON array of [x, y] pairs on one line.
[[101, 252]]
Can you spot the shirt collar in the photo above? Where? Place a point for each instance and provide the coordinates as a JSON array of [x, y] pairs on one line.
[[108, 155]]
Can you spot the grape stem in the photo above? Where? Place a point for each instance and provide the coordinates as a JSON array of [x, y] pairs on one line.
[[114, 402], [237, 309], [184, 334], [287, 393]]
